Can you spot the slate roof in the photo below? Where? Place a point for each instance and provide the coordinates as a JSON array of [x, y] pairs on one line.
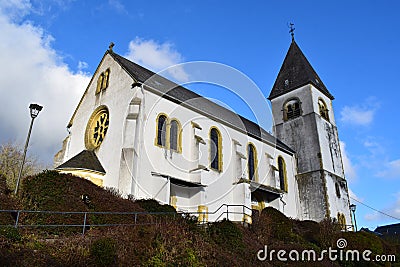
[[85, 160], [296, 72], [391, 229], [180, 95]]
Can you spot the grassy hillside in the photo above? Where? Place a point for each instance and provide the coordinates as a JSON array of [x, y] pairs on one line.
[[170, 241]]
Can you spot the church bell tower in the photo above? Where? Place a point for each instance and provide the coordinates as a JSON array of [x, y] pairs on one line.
[[304, 120]]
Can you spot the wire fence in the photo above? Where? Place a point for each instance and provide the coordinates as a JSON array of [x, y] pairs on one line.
[[88, 219]]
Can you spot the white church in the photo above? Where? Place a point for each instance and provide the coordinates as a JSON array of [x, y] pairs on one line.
[[198, 156]]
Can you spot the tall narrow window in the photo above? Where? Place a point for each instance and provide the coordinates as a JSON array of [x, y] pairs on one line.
[[291, 109], [99, 82], [282, 174], [162, 130], [174, 132], [252, 162], [323, 110], [215, 149], [102, 81], [106, 78]]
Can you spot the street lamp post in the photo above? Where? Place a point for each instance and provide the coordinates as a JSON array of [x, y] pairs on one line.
[[353, 210], [34, 111]]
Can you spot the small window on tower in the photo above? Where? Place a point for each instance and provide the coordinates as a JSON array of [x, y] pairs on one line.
[[291, 109], [323, 110], [337, 190]]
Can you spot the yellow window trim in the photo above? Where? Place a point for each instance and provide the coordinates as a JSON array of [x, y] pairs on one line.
[[285, 182], [103, 81], [255, 162], [179, 145], [220, 163], [166, 133], [322, 108], [168, 122], [89, 142]]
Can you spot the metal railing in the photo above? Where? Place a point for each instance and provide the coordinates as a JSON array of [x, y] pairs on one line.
[[88, 218]]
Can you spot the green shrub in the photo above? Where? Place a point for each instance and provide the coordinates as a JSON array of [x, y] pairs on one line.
[[104, 251], [152, 205], [226, 233], [11, 233]]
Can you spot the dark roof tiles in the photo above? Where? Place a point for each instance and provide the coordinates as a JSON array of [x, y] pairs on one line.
[[86, 160], [295, 72], [178, 94]]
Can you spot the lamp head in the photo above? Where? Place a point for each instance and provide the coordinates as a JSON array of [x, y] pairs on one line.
[[353, 208], [35, 109]]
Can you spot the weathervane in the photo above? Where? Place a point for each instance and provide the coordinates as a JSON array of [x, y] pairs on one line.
[[291, 30]]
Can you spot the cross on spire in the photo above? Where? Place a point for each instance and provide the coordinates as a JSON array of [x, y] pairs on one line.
[[292, 28]]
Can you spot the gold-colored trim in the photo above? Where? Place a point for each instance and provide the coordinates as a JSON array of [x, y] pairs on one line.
[[322, 109], [255, 162], [220, 163], [99, 113], [179, 145], [103, 81], [166, 131], [203, 213], [285, 181]]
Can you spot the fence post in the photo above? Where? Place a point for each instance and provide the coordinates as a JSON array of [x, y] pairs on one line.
[[17, 219], [135, 218], [84, 223], [227, 212]]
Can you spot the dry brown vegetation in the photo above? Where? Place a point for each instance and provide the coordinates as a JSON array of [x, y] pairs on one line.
[[172, 240]]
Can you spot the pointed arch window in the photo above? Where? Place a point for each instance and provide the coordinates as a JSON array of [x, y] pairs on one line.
[[282, 174], [252, 162], [215, 149], [291, 109], [162, 130], [323, 110]]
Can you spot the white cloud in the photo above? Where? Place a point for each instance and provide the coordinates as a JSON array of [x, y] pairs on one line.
[[117, 5], [392, 170], [15, 9], [360, 115], [32, 72], [157, 57], [349, 168], [82, 65]]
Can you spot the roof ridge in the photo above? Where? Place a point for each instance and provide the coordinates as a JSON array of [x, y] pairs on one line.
[[182, 95]]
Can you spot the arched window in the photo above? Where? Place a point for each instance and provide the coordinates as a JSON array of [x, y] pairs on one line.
[[102, 81], [105, 79], [161, 130], [282, 174], [252, 162], [341, 220], [323, 110], [291, 109], [215, 149], [99, 82], [174, 135]]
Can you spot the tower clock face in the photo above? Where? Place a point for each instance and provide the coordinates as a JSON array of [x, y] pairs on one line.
[[97, 127]]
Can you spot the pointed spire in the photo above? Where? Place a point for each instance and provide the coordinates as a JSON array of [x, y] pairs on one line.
[[296, 72]]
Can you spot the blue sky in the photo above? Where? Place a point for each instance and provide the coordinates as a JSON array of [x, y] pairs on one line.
[[50, 49]]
